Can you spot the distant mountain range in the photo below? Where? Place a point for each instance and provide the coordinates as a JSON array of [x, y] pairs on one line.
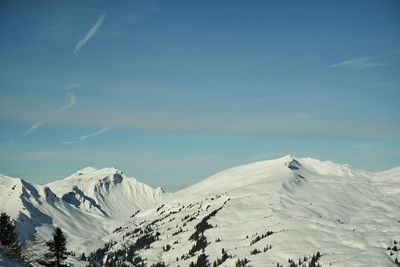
[[259, 214]]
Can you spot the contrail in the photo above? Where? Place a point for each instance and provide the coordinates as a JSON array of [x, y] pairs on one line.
[[89, 35], [72, 101], [83, 137]]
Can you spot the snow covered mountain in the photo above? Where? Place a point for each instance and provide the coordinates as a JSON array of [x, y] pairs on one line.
[[265, 212], [106, 192], [88, 205], [268, 212]]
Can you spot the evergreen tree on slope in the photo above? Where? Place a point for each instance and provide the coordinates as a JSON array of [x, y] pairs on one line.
[[8, 237], [57, 249]]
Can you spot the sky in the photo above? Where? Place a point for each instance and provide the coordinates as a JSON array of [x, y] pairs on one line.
[[171, 92]]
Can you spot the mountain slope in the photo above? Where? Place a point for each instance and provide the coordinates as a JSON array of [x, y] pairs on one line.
[[275, 210], [87, 205], [265, 211], [106, 192]]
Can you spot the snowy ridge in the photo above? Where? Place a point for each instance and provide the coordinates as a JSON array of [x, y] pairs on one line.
[[106, 192], [270, 211], [266, 212], [88, 205]]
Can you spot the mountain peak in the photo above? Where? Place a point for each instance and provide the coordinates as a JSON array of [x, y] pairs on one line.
[[285, 159], [293, 164], [105, 191], [94, 173], [289, 156], [85, 170]]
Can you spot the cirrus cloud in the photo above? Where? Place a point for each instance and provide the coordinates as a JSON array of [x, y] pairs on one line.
[[359, 63], [83, 137], [71, 103], [89, 35]]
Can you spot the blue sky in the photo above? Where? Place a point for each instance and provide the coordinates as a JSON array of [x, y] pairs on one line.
[[173, 91]]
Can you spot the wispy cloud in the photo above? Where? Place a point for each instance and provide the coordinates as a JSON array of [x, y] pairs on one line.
[[34, 127], [94, 134], [83, 137], [359, 63], [72, 101], [89, 35]]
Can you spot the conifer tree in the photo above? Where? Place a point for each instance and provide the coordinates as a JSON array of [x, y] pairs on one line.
[[202, 261], [8, 237], [57, 249]]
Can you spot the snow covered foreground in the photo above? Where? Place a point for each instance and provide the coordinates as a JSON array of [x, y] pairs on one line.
[[265, 212]]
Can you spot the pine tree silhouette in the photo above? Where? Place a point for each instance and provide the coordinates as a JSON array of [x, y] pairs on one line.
[[8, 236], [83, 257], [57, 249]]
